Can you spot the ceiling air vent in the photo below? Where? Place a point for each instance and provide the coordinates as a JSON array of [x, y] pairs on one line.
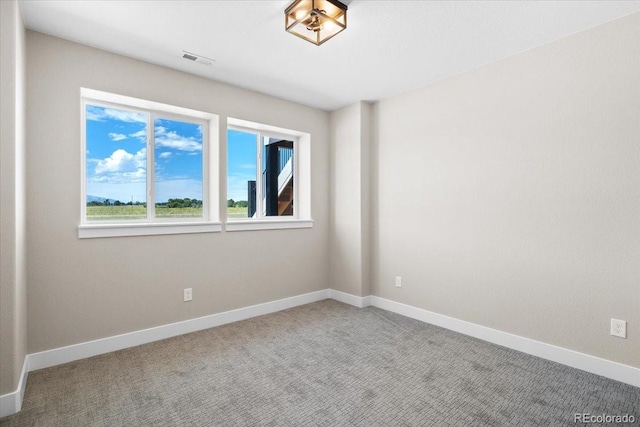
[[197, 58]]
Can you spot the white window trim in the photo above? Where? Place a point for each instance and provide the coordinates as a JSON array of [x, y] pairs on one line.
[[301, 217], [210, 177], [147, 229], [266, 224]]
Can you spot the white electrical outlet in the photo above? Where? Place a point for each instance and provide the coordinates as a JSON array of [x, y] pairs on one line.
[[398, 282], [188, 294], [618, 328]]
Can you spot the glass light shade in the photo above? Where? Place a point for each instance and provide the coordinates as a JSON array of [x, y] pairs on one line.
[[316, 21]]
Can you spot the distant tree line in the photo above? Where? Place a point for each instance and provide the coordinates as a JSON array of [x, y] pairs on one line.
[[109, 202], [239, 204], [171, 203], [181, 203]]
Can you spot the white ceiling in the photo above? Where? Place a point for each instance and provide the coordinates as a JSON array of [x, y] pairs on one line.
[[389, 47]]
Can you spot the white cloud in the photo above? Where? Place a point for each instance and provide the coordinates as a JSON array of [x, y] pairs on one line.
[[117, 136], [141, 135], [119, 161], [121, 166], [94, 114], [100, 114], [165, 154], [175, 141]]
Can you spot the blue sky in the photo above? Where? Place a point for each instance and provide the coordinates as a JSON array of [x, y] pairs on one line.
[[117, 156], [241, 153]]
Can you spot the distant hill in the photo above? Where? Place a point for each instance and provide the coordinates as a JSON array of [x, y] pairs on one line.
[[95, 199]]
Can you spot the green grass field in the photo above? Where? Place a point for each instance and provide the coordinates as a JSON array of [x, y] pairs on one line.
[[236, 212], [101, 213], [98, 213]]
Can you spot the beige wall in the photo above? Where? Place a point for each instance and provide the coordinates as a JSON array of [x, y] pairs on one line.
[[509, 196], [80, 290], [349, 230], [13, 292]]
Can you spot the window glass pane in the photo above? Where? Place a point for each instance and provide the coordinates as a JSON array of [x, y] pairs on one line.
[[178, 169], [241, 174], [277, 172], [116, 163]]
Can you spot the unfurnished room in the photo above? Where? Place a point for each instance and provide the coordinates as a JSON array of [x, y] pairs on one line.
[[319, 213]]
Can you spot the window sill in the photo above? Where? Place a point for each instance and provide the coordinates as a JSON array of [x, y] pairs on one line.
[[90, 231], [248, 225]]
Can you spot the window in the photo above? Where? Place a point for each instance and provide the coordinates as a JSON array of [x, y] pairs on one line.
[[267, 177], [146, 168], [259, 192]]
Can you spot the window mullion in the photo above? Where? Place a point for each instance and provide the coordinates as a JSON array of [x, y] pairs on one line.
[[259, 178], [151, 193]]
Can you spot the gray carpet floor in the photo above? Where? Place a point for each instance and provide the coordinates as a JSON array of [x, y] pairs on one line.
[[322, 364]]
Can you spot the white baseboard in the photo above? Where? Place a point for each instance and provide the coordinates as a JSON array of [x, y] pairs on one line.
[[83, 350], [595, 365], [353, 300], [11, 403]]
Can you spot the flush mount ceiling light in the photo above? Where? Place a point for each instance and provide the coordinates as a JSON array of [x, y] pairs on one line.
[[316, 21]]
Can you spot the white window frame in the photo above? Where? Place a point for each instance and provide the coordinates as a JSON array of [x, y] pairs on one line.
[[209, 222], [301, 217]]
